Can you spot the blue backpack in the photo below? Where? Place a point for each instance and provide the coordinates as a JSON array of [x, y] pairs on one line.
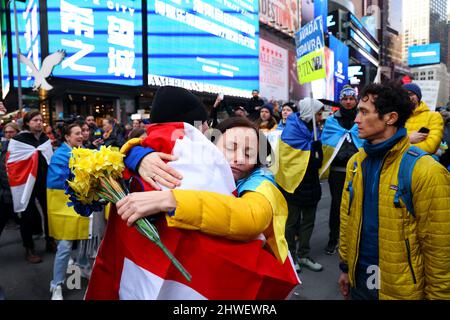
[[404, 191]]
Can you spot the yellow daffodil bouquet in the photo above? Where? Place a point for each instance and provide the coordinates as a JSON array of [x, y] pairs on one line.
[[96, 178]]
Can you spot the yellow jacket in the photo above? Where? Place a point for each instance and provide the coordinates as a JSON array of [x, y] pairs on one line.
[[428, 233], [241, 219], [423, 117]]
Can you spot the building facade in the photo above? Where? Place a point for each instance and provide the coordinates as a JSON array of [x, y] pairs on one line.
[[424, 22]]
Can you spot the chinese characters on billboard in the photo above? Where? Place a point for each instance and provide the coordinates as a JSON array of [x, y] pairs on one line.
[[102, 39]]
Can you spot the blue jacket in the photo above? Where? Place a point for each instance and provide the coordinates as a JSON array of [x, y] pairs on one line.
[[368, 251]]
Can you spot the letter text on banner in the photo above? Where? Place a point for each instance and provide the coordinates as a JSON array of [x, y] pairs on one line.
[[312, 66], [310, 51]]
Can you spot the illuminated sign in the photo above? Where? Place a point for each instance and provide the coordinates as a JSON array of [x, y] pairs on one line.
[[424, 54], [356, 74], [29, 39], [341, 60], [209, 46], [102, 39], [280, 14], [4, 66]]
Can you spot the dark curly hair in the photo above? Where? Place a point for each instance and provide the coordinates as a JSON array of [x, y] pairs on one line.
[[389, 97]]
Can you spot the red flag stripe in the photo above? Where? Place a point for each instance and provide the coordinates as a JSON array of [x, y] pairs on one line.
[[19, 171]]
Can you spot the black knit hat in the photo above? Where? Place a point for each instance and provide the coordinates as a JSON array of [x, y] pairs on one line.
[[174, 104]]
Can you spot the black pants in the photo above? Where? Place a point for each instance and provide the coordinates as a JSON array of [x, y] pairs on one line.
[[362, 291], [336, 181], [30, 220], [300, 222], [6, 212]]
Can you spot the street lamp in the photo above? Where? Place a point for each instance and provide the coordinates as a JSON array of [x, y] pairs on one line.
[[19, 78]]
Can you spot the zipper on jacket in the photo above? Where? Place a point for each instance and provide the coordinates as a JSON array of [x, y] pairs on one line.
[[408, 249], [361, 221]]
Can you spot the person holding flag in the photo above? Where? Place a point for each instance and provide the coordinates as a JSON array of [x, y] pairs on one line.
[[29, 154], [340, 142], [227, 246], [299, 158]]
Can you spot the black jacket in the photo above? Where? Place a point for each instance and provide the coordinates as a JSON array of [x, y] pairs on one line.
[[309, 192], [116, 138], [5, 190], [346, 119]]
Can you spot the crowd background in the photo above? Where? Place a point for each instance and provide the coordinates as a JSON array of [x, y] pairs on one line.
[[270, 117]]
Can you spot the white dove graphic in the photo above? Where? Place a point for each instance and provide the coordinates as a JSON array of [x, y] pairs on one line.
[[46, 69]]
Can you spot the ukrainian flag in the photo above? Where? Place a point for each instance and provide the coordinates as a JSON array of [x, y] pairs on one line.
[[262, 181], [63, 222], [333, 136], [292, 155]]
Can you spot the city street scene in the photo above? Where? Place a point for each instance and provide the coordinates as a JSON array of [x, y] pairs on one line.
[[240, 150]]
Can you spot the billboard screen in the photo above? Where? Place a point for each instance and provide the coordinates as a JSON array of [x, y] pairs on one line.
[[102, 39], [341, 60], [4, 66], [28, 22], [280, 14], [208, 46], [273, 69], [424, 54]]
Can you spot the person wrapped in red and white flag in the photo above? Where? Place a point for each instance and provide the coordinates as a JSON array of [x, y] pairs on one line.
[[29, 154], [234, 248]]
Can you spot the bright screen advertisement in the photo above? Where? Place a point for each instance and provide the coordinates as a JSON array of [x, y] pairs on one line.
[[273, 70], [102, 40], [341, 60], [424, 54], [29, 39], [206, 46], [4, 66]]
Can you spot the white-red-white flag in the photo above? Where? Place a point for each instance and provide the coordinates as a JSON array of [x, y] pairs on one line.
[[22, 166], [129, 266]]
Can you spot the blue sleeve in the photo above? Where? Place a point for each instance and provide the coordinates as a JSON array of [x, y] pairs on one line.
[[135, 156]]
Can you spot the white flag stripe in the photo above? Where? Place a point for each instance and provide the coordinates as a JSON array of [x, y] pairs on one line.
[[138, 283]]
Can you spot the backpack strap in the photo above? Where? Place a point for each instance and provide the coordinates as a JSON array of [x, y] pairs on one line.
[[405, 171]]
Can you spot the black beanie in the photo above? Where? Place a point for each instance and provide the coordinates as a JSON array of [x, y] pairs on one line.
[[175, 104]]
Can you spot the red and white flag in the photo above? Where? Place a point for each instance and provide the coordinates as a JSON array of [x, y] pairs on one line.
[[22, 167], [129, 266]]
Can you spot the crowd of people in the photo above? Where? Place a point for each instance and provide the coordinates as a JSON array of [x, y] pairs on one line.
[[384, 153]]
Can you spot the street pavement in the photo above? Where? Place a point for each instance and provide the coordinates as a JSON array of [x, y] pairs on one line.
[[21, 280]]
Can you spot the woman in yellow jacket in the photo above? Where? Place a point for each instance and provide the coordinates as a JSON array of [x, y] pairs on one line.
[[259, 208], [422, 117]]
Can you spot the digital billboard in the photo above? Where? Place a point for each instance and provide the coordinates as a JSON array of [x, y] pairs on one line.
[[4, 66], [28, 21], [273, 69], [209, 46], [280, 14], [341, 60], [102, 40], [424, 54]]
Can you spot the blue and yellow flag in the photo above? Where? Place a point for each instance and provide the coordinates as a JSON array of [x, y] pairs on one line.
[[262, 181], [292, 155], [63, 222], [333, 136]]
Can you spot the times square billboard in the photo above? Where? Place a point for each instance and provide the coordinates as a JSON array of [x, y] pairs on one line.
[[202, 45]]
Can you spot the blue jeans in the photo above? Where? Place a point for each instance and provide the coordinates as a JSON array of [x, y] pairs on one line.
[[61, 261]]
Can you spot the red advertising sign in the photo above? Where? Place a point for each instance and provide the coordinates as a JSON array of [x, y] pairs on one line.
[[280, 14]]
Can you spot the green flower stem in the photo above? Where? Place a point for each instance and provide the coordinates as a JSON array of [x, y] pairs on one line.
[[110, 194], [148, 230]]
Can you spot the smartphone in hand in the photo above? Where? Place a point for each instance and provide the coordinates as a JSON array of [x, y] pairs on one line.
[[424, 130]]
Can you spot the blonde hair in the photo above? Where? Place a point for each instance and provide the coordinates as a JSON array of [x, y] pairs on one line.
[[13, 125]]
